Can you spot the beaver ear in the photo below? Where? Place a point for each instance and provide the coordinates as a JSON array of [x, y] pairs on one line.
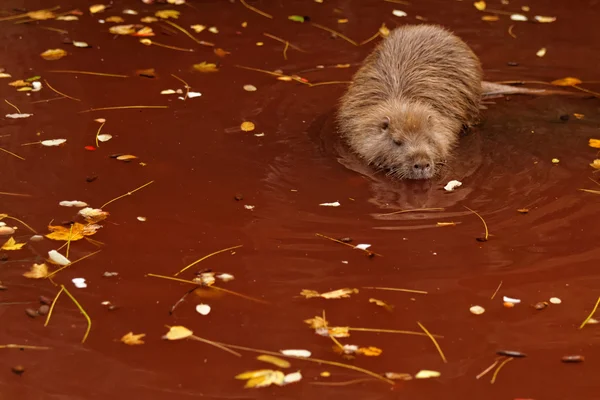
[[385, 124]]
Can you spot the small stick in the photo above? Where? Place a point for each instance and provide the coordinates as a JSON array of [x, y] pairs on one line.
[[590, 191], [499, 368], [60, 93], [347, 244], [370, 39], [23, 347], [398, 2], [15, 194], [392, 331], [69, 241], [482, 220], [280, 40], [119, 108], [181, 29], [285, 49], [205, 257], [329, 83], [64, 71], [18, 220], [62, 31], [98, 133], [52, 306], [273, 74], [435, 343], [85, 314], [69, 265], [256, 10], [591, 314], [12, 154], [346, 38], [187, 87], [498, 288], [47, 100], [414, 210], [395, 289], [126, 194], [172, 310], [595, 94], [147, 41], [12, 105], [215, 344], [510, 31], [26, 14], [344, 383], [488, 369]]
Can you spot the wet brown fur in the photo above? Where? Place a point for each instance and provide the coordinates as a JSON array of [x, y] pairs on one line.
[[424, 83]]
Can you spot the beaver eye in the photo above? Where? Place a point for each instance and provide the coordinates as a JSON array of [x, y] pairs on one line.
[[397, 142], [385, 124]]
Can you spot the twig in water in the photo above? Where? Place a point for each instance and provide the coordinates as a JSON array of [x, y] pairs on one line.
[[18, 220], [64, 71], [13, 106], [126, 194], [148, 42], [69, 241], [348, 244], [85, 314], [60, 93], [414, 210], [435, 343], [52, 306], [487, 234], [496, 292], [23, 347], [488, 369], [346, 38], [344, 383], [119, 108], [392, 331], [591, 314], [499, 368], [205, 257], [256, 10], [375, 36], [187, 87], [283, 41], [98, 132], [71, 264], [25, 15], [11, 153], [595, 94], [395, 289], [285, 49], [181, 29], [172, 310], [510, 31]]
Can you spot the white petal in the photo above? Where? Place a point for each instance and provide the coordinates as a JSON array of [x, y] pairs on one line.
[[58, 258], [296, 353], [203, 309]]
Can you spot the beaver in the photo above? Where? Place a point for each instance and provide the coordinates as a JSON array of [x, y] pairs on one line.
[[407, 104]]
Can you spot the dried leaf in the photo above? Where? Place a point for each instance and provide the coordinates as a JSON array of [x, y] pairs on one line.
[[93, 215], [523, 210], [81, 44], [595, 143], [281, 363], [262, 378], [144, 32], [19, 83], [568, 81], [381, 303], [96, 8], [104, 137], [165, 14], [213, 29], [250, 88], [205, 67], [67, 18], [116, 19], [296, 18], [76, 232], [544, 19], [177, 333], [203, 309], [41, 15], [247, 126], [369, 351], [518, 17], [57, 258], [424, 374], [300, 353], [541, 52], [220, 52], [490, 18], [132, 339], [18, 116], [335, 294], [595, 164], [148, 20], [480, 5], [11, 244], [38, 271], [384, 31], [122, 29], [446, 224], [399, 13], [53, 54], [126, 157], [398, 376], [53, 142], [198, 28], [579, 116]]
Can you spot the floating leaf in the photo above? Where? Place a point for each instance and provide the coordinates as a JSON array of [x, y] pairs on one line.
[[96, 8], [544, 19], [518, 17], [11, 244], [334, 204], [477, 310], [41, 15], [126, 157], [480, 5], [53, 142], [250, 88], [262, 378], [490, 18], [523, 210], [18, 116], [424, 374], [122, 29], [247, 126], [57, 258], [300, 353], [541, 52], [115, 19], [38, 271], [67, 18], [369, 351], [93, 215], [203, 309], [75, 232], [104, 137], [381, 303], [148, 20], [595, 143], [166, 14], [398, 376], [335, 294], [79, 283], [72, 203], [291, 378], [220, 52], [80, 44], [568, 81], [178, 333], [144, 32], [595, 164], [579, 116], [297, 18], [133, 340], [198, 28], [53, 54], [446, 224], [281, 363], [205, 67], [19, 83]]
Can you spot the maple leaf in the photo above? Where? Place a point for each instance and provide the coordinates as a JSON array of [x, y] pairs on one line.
[[177, 333], [38, 271], [11, 244], [76, 232], [132, 339]]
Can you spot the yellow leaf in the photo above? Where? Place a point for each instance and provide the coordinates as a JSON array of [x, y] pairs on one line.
[[198, 28], [115, 18], [262, 378], [167, 14], [480, 5], [96, 8], [544, 19], [523, 210], [335, 294], [369, 351], [568, 81], [579, 116], [38, 271], [596, 164], [53, 54], [132, 339], [41, 15], [11, 244], [381, 304], [205, 67], [490, 18], [126, 157], [77, 232], [595, 143], [19, 83], [247, 126], [148, 20], [281, 363], [122, 30], [177, 333]]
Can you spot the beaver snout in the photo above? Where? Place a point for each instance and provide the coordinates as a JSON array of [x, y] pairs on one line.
[[420, 167]]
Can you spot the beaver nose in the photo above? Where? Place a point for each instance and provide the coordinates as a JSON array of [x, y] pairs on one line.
[[421, 166]]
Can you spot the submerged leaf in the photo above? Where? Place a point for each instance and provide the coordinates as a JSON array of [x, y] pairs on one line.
[[11, 244]]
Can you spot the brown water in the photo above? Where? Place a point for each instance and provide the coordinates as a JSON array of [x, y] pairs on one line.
[[199, 159]]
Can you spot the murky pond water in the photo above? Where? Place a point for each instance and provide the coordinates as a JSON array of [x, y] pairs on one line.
[[198, 160]]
